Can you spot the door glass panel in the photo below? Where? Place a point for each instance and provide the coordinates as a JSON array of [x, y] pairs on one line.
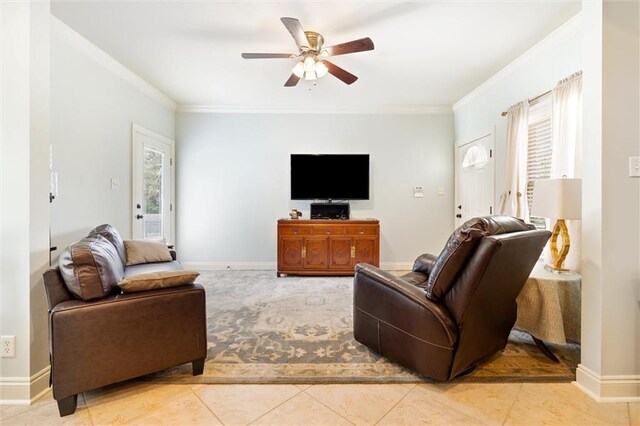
[[152, 187]]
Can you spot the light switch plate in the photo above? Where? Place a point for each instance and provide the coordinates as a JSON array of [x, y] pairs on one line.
[[115, 184], [418, 192], [440, 190], [634, 166]]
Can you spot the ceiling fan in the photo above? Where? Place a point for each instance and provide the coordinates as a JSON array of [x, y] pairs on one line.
[[311, 63]]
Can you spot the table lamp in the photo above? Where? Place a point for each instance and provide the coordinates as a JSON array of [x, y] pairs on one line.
[[560, 199]]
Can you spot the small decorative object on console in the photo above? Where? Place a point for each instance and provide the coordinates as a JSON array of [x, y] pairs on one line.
[[295, 214]]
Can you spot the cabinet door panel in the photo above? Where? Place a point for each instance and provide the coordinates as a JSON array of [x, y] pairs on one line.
[[340, 253], [291, 253], [315, 253], [366, 250]]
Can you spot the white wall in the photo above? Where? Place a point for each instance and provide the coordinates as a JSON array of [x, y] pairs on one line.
[[24, 187], [233, 181], [92, 110], [537, 71], [610, 365]]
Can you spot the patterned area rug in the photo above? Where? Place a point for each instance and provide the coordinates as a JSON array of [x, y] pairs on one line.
[[263, 329]]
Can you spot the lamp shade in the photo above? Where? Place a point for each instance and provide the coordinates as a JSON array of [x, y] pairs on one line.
[[557, 198]]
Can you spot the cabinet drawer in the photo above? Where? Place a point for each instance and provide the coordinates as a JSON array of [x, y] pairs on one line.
[[363, 230], [329, 230], [294, 230]]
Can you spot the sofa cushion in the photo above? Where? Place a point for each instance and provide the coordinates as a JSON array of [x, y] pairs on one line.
[[461, 246], [110, 233], [450, 262], [143, 251], [496, 225], [157, 280], [149, 268], [91, 267]]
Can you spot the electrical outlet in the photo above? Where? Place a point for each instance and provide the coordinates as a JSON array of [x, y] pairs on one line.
[[8, 345], [418, 192], [634, 166]]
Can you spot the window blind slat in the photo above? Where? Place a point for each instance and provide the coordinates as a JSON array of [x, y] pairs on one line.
[[538, 152]]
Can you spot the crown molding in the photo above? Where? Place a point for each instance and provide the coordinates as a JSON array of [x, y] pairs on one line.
[[266, 109], [77, 41], [553, 40]]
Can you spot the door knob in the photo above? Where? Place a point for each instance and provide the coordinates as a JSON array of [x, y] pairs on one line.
[[139, 216], [459, 216]]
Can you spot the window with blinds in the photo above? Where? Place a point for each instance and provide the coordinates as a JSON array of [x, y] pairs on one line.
[[539, 150]]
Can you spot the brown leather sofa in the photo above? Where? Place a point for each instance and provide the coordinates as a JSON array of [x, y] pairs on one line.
[[452, 311], [120, 336]]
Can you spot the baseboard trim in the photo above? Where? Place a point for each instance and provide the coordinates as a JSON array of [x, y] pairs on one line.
[[609, 388], [24, 390], [221, 266], [272, 266]]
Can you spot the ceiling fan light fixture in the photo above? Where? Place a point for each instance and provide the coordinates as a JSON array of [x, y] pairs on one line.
[[321, 69], [311, 54], [298, 70], [309, 64]]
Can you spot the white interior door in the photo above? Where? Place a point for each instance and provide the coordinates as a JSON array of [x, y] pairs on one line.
[[153, 186], [475, 193]]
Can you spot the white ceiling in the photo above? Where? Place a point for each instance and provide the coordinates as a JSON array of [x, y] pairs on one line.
[[426, 54]]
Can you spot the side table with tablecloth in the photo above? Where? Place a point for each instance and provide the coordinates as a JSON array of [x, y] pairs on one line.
[[549, 306]]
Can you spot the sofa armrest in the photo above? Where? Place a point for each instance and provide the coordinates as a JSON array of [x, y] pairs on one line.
[[424, 263], [123, 336], [404, 306]]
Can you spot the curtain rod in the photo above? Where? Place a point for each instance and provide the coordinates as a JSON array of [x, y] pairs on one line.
[[504, 113]]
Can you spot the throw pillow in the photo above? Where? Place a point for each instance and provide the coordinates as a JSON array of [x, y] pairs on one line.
[[91, 267], [143, 251], [156, 280], [110, 233]]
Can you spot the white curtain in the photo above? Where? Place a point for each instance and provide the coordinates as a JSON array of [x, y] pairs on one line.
[[566, 157], [513, 201]]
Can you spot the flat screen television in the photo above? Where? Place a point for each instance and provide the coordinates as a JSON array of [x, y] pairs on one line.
[[329, 176]]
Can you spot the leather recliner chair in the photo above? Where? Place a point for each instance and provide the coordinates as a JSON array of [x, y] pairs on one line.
[[452, 311]]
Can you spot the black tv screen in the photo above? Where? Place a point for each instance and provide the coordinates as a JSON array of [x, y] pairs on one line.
[[329, 176]]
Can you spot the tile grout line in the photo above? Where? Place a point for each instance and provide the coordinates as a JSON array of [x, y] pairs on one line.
[[506, 417], [174, 398], [88, 411], [206, 405], [447, 406], [31, 408], [316, 399], [279, 405], [396, 404]]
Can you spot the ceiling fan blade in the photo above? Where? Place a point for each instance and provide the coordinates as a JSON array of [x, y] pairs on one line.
[[293, 80], [354, 46], [296, 31], [267, 55], [338, 72]]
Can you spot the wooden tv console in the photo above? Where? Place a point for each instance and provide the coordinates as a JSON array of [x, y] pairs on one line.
[[326, 247]]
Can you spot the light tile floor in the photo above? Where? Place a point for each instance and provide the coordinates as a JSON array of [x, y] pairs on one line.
[[136, 402]]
